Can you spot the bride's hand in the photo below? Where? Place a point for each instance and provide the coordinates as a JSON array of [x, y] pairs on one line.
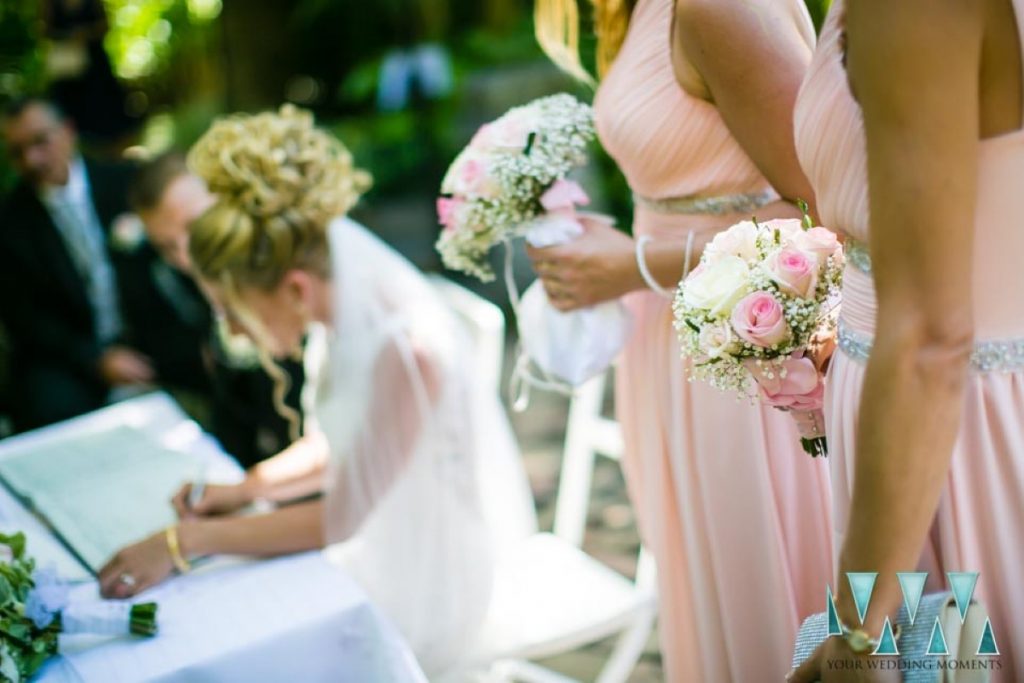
[[216, 500], [136, 567], [597, 266]]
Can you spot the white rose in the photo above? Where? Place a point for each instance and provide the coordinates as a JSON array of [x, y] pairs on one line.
[[717, 340], [789, 229], [821, 242], [739, 240], [718, 285]]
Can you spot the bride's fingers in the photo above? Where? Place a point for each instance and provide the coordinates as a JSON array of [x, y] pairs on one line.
[[180, 501], [109, 577]]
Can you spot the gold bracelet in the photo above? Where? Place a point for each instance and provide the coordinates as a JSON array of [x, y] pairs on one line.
[[174, 548], [860, 642]]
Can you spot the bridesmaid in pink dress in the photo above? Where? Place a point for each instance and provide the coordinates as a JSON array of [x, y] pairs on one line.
[[947, 242], [735, 513]]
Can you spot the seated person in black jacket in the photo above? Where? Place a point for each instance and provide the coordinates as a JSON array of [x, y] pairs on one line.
[[167, 197], [62, 286]]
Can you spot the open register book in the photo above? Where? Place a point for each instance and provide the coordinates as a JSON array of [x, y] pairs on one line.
[[105, 480]]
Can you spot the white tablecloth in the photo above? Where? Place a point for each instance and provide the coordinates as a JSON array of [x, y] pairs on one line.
[[296, 618]]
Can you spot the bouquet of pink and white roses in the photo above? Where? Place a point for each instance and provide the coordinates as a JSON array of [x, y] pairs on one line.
[[512, 181], [747, 314], [513, 172]]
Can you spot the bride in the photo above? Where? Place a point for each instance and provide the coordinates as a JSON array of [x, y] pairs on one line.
[[419, 474]]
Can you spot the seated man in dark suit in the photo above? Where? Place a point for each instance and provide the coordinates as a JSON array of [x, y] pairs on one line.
[[61, 285], [167, 197]]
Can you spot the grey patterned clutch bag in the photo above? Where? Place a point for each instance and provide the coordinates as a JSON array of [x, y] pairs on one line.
[[962, 642]]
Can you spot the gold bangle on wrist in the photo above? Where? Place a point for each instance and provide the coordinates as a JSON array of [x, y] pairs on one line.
[[860, 642], [174, 548]]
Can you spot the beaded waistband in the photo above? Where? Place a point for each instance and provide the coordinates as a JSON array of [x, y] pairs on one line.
[[988, 356], [857, 255], [714, 206]]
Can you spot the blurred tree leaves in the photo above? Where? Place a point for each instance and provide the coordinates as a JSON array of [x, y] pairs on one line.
[[21, 61], [144, 34], [818, 9], [21, 58]]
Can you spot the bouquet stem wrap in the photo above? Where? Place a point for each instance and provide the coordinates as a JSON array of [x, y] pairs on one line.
[[566, 348], [109, 618], [811, 425]]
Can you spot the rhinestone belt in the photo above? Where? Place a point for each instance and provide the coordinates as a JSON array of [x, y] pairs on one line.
[[988, 356], [714, 206]]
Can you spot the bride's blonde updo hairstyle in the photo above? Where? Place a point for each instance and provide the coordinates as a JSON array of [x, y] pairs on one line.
[[279, 181], [557, 27]]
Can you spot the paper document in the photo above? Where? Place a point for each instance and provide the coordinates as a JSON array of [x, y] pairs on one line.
[[100, 491]]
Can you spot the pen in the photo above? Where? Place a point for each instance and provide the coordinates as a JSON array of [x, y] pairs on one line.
[[195, 494]]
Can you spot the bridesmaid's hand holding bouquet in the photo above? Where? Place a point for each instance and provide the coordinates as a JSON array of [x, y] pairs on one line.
[[512, 181], [749, 314], [513, 173]]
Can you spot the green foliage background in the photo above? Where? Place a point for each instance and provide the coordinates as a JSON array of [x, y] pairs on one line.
[[338, 42]]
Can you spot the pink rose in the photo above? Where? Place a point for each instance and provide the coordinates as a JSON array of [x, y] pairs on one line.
[[795, 271], [758, 318], [470, 176], [510, 132], [447, 209], [821, 242], [472, 172], [796, 385], [563, 194], [481, 139]]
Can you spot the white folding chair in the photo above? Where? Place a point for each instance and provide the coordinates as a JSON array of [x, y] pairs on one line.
[[550, 597], [484, 321]]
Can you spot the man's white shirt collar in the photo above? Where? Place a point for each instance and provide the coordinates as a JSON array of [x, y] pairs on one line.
[[75, 191]]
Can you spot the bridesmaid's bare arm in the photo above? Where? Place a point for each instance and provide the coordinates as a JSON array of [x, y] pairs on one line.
[[749, 59], [918, 84]]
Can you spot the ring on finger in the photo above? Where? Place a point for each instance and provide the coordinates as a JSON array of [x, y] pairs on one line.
[[126, 579]]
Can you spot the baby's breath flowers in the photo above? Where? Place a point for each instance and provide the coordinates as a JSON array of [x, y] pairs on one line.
[[493, 189], [746, 315]]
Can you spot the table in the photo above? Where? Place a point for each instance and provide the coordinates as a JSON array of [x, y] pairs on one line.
[[296, 618]]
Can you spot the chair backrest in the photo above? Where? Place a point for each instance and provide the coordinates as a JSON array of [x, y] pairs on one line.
[[590, 434], [587, 435], [485, 322]]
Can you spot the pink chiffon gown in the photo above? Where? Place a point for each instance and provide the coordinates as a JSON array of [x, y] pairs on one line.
[[735, 513], [980, 522]]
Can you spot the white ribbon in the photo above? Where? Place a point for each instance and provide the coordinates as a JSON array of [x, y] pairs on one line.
[[523, 378], [97, 618], [566, 349]]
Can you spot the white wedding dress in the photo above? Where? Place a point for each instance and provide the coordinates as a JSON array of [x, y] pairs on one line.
[[425, 488]]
